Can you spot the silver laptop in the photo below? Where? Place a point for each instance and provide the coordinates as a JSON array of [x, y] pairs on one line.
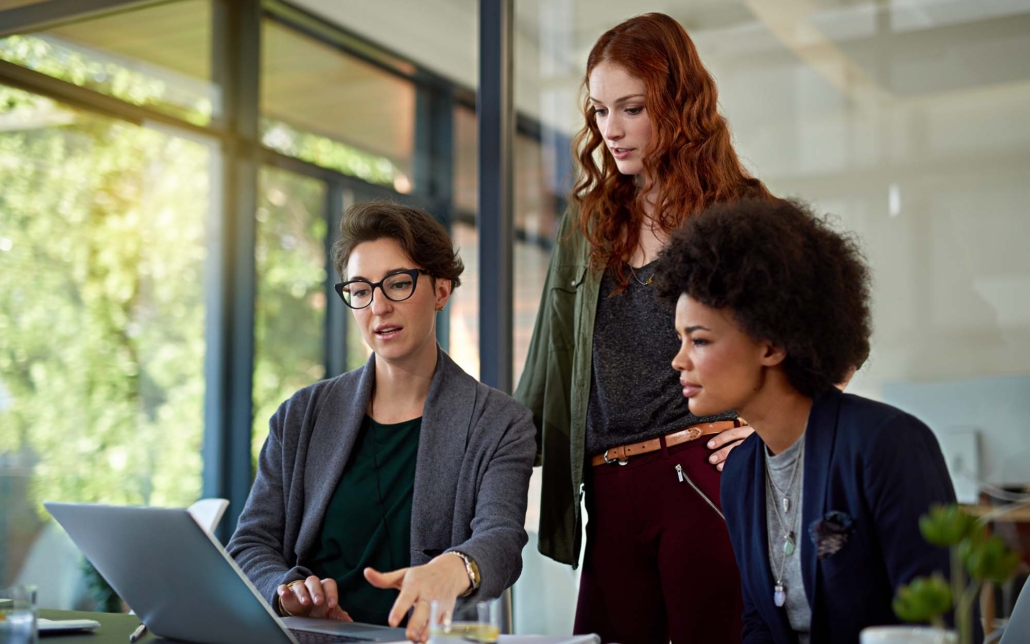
[[1018, 628], [182, 583]]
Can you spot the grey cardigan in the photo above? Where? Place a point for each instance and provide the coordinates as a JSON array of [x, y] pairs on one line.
[[475, 457]]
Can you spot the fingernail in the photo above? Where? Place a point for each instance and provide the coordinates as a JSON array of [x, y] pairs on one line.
[[711, 444], [720, 467], [712, 458]]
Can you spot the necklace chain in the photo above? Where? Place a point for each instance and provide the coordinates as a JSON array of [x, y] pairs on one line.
[[792, 512], [633, 273]]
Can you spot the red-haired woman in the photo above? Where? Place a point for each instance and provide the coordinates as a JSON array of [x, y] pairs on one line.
[[608, 408]]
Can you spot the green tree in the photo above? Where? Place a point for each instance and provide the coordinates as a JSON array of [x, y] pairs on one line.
[[101, 303], [102, 278], [289, 324]]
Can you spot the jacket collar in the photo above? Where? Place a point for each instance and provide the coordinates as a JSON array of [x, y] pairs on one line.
[[446, 423], [337, 424], [819, 441]]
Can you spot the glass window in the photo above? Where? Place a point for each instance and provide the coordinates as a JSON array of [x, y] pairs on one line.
[[464, 304], [358, 352], [289, 320], [102, 253], [905, 121], [466, 173], [440, 35], [536, 216], [326, 107], [157, 56]]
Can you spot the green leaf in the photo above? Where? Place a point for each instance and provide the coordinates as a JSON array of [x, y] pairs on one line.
[[923, 599], [946, 525], [988, 559]]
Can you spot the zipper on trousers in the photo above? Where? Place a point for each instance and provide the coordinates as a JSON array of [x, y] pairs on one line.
[[683, 478]]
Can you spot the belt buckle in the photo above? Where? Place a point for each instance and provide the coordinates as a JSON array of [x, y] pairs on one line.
[[609, 461]]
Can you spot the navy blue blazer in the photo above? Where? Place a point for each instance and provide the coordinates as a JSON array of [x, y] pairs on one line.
[[876, 464]]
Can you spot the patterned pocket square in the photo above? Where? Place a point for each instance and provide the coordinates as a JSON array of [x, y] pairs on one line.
[[830, 533]]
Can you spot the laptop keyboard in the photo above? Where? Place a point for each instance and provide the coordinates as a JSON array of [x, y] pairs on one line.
[[311, 637]]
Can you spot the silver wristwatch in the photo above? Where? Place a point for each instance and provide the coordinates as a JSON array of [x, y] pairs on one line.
[[472, 569]]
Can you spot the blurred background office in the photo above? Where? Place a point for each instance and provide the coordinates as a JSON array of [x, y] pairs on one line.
[[171, 174]]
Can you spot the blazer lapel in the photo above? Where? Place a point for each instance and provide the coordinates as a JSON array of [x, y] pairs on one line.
[[759, 564], [446, 426], [819, 440], [335, 432]]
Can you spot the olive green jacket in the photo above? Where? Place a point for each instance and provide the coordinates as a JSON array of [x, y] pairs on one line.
[[555, 386]]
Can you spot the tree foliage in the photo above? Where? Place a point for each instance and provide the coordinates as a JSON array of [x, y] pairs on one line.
[[103, 274], [289, 323], [103, 73], [101, 304]]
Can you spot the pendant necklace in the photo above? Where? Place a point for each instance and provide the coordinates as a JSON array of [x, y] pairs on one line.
[[789, 504], [638, 280]]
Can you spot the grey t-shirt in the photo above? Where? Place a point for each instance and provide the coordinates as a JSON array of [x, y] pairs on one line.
[[780, 468], [635, 393]]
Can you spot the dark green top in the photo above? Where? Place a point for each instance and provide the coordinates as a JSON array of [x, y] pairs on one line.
[[368, 520]]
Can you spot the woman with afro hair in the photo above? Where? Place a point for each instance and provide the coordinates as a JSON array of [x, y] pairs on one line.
[[822, 501]]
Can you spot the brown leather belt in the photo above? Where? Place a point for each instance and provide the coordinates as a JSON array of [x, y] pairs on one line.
[[622, 453]]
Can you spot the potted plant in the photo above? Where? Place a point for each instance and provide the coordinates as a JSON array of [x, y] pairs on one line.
[[976, 558]]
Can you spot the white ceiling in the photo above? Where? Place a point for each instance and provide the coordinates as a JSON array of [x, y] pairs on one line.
[[906, 48]]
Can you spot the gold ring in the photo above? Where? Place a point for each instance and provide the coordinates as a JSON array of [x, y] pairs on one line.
[[295, 581]]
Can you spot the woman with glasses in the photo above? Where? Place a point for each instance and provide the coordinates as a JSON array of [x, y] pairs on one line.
[[399, 483], [653, 152]]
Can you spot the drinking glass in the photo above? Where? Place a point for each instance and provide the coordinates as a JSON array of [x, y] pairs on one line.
[[18, 615], [484, 629]]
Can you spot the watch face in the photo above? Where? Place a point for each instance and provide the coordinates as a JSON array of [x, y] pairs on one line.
[[474, 569], [471, 569]]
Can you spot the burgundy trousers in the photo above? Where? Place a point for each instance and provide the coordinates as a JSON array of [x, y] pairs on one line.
[[658, 564]]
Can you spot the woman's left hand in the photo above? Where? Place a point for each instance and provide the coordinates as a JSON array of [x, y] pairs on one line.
[[443, 579], [725, 442]]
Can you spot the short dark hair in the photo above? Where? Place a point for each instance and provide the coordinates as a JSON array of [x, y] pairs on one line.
[[421, 237], [787, 276]]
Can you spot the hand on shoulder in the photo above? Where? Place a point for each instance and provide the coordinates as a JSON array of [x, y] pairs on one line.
[[725, 442]]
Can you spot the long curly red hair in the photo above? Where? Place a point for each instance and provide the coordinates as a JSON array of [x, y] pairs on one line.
[[688, 164]]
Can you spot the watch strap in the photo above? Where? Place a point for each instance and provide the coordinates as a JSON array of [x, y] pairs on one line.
[[471, 569]]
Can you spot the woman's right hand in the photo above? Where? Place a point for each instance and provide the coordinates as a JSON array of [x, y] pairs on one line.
[[312, 597]]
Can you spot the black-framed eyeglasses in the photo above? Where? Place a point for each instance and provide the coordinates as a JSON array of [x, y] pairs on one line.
[[397, 287]]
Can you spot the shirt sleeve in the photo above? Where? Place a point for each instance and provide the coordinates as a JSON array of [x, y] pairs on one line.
[[257, 544], [905, 474]]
